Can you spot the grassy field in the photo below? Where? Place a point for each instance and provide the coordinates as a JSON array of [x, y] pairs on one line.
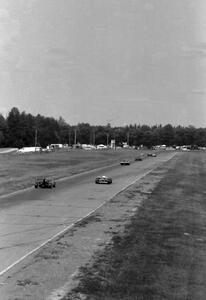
[[18, 171], [162, 252]]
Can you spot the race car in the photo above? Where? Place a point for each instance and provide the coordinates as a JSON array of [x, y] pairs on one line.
[[103, 179], [151, 154], [125, 163], [138, 159], [44, 183]]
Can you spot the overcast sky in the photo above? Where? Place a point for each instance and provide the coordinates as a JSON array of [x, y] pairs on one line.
[[100, 61]]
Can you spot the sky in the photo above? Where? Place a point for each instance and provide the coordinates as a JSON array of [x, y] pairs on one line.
[[105, 61]]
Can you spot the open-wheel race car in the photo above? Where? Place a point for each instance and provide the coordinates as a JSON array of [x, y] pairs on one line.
[[44, 183], [103, 180], [125, 163]]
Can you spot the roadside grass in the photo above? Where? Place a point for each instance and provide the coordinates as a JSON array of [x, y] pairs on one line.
[[90, 219], [162, 252], [18, 171], [26, 282]]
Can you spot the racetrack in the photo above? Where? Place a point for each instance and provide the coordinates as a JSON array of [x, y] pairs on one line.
[[31, 218]]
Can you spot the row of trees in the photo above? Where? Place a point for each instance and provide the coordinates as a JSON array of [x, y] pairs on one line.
[[20, 129]]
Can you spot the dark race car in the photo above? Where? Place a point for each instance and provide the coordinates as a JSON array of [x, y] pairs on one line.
[[44, 183], [138, 159], [125, 163], [151, 154], [103, 180]]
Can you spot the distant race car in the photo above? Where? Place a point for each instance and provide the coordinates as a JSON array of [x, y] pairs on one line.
[[151, 154], [103, 180], [125, 163], [138, 159], [44, 183]]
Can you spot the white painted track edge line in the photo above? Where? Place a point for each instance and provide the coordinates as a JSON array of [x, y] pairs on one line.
[[73, 224], [68, 227]]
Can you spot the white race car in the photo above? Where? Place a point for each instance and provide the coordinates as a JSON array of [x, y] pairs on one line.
[[125, 163], [103, 180]]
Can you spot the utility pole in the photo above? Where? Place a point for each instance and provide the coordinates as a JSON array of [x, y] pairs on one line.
[[69, 138], [94, 137], [107, 139], [75, 136], [128, 138], [35, 142]]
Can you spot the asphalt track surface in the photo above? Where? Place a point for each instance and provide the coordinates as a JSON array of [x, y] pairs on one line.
[[30, 218]]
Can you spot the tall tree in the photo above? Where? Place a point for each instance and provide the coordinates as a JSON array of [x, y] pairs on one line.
[[3, 131], [168, 135], [14, 128]]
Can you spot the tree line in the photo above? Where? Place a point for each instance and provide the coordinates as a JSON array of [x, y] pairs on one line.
[[20, 129]]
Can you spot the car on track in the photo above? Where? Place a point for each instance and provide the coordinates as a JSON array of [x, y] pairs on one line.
[[152, 154], [125, 163], [44, 183], [103, 180], [138, 159]]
